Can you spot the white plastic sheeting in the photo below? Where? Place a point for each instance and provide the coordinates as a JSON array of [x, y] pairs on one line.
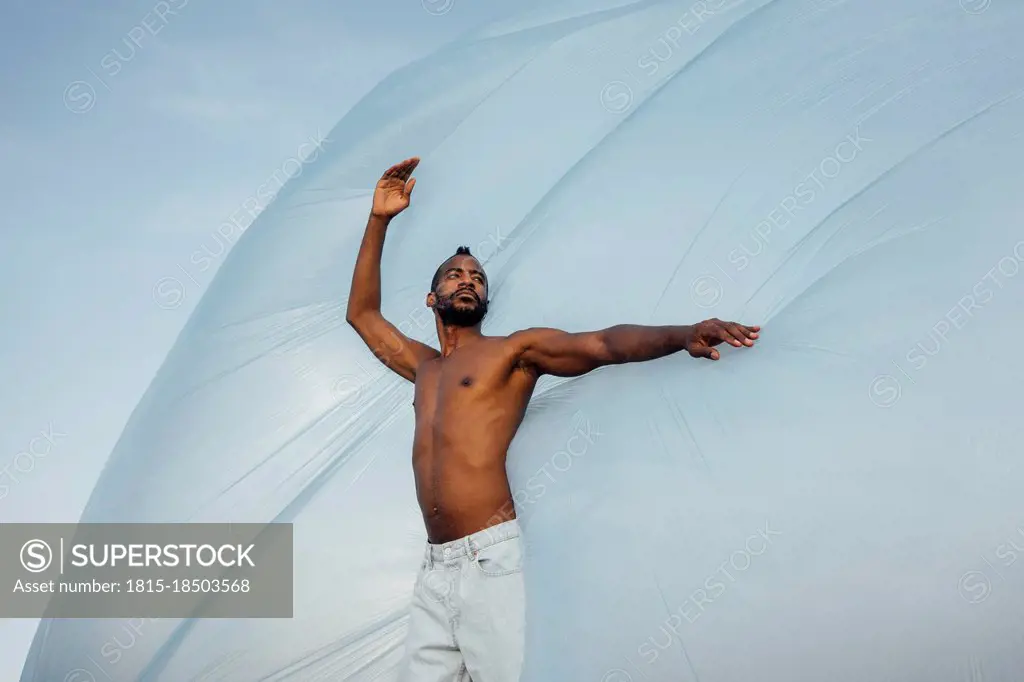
[[843, 502]]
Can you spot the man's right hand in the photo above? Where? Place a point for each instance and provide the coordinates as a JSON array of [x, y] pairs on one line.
[[391, 196]]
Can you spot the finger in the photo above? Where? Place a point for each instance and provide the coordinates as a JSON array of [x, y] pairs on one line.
[[406, 169], [411, 163], [725, 334], [409, 185], [704, 352], [399, 170], [400, 167], [740, 333], [746, 331]]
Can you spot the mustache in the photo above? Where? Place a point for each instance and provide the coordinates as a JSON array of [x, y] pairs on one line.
[[459, 292], [459, 316]]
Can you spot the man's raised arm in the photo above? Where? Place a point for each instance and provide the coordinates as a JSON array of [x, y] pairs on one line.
[[393, 348], [559, 353]]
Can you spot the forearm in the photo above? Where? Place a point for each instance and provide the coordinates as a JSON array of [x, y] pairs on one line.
[[364, 294], [638, 343]]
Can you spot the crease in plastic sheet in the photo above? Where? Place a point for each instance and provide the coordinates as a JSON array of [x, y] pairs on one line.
[[841, 502]]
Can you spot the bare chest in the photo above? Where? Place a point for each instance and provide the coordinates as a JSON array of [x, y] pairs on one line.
[[466, 378], [454, 380]]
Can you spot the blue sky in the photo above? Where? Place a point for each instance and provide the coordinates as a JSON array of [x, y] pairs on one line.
[[129, 134]]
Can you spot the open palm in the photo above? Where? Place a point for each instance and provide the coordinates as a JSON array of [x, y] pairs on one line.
[[391, 196]]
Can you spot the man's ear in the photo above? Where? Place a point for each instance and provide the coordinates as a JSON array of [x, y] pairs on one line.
[[431, 300]]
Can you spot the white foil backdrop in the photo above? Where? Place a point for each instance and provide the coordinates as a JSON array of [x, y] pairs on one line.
[[843, 502]]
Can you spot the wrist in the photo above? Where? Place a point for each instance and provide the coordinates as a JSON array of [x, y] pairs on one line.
[[684, 334]]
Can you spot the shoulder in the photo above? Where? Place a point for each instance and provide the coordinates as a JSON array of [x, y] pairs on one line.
[[430, 364], [527, 338], [524, 347]]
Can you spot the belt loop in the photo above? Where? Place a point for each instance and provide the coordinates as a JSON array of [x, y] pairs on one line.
[[488, 532], [470, 551], [430, 558]]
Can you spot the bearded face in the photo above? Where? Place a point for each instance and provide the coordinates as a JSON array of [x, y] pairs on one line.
[[460, 292], [461, 308]]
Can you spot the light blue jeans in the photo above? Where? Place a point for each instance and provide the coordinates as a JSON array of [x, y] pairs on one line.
[[467, 614]]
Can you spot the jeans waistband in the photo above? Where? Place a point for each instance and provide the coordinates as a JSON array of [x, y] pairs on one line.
[[473, 543]]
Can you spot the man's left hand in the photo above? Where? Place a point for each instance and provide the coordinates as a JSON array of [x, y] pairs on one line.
[[710, 333]]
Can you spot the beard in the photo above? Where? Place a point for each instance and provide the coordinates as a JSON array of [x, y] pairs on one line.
[[455, 313]]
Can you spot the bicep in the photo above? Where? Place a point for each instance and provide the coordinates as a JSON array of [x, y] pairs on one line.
[[560, 353], [394, 349]]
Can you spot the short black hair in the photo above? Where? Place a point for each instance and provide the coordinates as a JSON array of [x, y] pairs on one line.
[[461, 251]]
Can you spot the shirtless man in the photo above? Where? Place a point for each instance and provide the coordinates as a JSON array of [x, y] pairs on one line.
[[468, 610]]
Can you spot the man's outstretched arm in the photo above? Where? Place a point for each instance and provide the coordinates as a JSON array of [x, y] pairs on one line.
[[552, 351], [393, 348]]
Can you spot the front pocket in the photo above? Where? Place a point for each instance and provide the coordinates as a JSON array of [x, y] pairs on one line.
[[502, 558]]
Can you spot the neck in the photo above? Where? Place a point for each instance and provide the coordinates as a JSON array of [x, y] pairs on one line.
[[456, 337]]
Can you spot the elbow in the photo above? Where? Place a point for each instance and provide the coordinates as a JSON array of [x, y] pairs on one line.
[[362, 318], [608, 353], [354, 317], [358, 309]]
